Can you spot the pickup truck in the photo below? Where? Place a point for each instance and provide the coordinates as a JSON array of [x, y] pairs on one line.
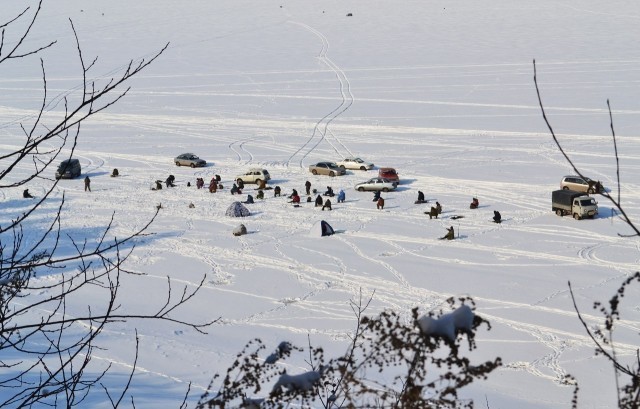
[[578, 204]]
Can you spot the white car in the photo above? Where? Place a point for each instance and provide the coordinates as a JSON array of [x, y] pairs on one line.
[[379, 184], [254, 175], [355, 163]]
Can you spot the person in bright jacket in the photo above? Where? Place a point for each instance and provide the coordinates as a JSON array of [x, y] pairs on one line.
[[341, 196]]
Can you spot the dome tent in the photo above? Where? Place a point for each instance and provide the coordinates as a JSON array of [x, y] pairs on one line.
[[237, 209], [321, 228]]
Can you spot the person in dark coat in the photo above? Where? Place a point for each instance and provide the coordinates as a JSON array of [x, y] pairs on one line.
[[376, 195], [260, 194], [341, 196], [329, 192], [420, 197], [115, 173], [249, 200], [235, 190], [87, 184], [276, 191], [380, 204], [26, 194], [450, 234], [213, 185], [199, 183], [158, 185], [438, 207], [294, 193], [170, 180], [327, 204], [318, 201], [474, 203], [240, 184], [307, 186], [497, 217]]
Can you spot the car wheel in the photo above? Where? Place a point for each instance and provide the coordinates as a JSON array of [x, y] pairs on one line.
[[363, 168], [332, 173], [565, 188], [258, 181], [576, 216], [177, 163], [343, 168], [193, 165], [559, 212], [315, 172], [240, 181], [591, 191], [386, 189], [360, 189]]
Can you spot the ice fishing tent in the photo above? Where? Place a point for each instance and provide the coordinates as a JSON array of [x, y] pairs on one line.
[[237, 209], [321, 228]]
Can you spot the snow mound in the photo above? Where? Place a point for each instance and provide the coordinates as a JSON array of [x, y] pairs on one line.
[[448, 325]]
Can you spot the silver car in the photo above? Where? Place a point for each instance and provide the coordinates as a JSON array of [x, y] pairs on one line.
[[189, 159], [327, 168], [377, 184], [571, 182]]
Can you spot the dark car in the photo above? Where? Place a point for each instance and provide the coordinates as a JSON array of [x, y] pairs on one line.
[[189, 159], [68, 169]]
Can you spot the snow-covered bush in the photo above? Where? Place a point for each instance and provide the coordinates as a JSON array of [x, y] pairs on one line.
[[394, 360]]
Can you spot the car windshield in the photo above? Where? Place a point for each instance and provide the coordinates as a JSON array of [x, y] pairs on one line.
[[587, 202], [358, 160], [332, 165]]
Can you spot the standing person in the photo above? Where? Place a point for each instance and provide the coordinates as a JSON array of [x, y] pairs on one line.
[[87, 184], [380, 204], [341, 196], [438, 207], [307, 186], [276, 191]]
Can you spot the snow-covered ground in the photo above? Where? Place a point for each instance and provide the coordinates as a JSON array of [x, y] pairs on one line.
[[442, 91]]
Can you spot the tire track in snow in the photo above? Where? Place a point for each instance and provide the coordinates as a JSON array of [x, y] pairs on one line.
[[347, 100]]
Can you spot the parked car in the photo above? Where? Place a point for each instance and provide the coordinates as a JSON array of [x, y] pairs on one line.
[[354, 163], [254, 175], [68, 169], [578, 184], [189, 159], [389, 173], [327, 168], [377, 184]]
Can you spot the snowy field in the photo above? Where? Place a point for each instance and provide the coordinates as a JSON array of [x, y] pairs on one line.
[[442, 91]]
